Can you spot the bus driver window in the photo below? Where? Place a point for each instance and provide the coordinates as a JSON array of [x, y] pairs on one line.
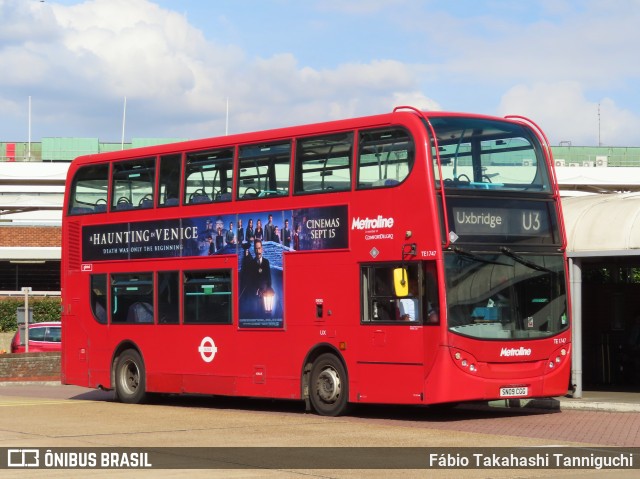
[[385, 300], [381, 302]]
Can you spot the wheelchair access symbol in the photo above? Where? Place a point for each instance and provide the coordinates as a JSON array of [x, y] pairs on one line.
[[207, 349]]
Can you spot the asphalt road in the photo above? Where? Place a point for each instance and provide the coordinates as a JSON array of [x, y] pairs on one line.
[[54, 416]]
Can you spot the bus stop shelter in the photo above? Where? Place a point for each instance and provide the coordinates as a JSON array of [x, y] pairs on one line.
[[603, 235]]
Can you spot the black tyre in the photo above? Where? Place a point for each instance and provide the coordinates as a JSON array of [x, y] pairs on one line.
[[328, 387], [130, 377]]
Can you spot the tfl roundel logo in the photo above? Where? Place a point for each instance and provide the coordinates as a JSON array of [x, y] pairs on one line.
[[207, 349]]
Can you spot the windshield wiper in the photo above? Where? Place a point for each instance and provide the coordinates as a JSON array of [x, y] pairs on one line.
[[472, 256], [506, 251]]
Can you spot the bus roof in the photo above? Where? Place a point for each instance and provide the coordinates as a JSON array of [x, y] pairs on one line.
[[278, 133]]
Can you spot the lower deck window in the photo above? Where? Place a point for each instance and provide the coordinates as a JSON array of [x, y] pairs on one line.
[[132, 298], [207, 297], [169, 297], [99, 297]]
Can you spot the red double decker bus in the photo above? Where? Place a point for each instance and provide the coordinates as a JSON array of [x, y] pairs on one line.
[[406, 258]]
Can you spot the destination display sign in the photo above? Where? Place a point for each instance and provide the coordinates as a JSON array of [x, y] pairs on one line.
[[484, 220], [500, 221]]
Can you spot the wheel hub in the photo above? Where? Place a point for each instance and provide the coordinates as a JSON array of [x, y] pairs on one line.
[[329, 386], [130, 377]]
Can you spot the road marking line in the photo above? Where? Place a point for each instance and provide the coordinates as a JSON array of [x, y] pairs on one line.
[[32, 403]]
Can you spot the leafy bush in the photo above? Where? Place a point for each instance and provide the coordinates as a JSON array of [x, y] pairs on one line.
[[44, 309]]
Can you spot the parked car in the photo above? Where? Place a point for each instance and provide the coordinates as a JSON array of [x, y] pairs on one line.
[[43, 337]]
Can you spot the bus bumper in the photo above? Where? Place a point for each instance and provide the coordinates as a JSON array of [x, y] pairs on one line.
[[451, 381]]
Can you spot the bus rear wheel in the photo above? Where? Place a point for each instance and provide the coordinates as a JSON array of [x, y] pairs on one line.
[[328, 388], [130, 377]]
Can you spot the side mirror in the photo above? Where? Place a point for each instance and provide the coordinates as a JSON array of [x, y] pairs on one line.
[[400, 282]]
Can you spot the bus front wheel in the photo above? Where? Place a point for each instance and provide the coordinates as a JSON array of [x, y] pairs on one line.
[[328, 388], [130, 377]]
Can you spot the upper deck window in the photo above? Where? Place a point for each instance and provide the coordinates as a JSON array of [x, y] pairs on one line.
[[324, 163], [89, 190], [488, 154], [169, 184], [209, 176], [133, 184], [386, 158], [264, 170]]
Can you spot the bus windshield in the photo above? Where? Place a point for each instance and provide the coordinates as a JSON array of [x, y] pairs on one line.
[[505, 296], [488, 154]]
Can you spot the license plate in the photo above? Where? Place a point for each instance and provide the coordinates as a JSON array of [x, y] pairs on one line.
[[514, 392]]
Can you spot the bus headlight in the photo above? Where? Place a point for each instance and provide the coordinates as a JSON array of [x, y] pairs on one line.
[[557, 358], [464, 360]]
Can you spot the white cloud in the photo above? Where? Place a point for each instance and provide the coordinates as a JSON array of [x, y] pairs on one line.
[[78, 62], [147, 52], [555, 66], [595, 47], [565, 114], [175, 80], [292, 94], [415, 99]]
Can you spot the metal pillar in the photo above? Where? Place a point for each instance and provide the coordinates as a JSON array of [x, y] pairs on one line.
[[575, 278]]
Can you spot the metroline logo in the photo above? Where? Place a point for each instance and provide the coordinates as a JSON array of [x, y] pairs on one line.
[[515, 352], [371, 223]]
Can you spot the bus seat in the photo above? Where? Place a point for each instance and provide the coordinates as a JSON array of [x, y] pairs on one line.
[[146, 204], [123, 205], [172, 202], [101, 207], [200, 199], [140, 312], [385, 182], [225, 197], [81, 210], [100, 312]]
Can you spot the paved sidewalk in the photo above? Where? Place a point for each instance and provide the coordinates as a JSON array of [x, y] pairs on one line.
[[590, 401], [603, 400]]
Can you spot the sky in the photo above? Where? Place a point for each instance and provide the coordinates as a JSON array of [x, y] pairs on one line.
[[202, 68]]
